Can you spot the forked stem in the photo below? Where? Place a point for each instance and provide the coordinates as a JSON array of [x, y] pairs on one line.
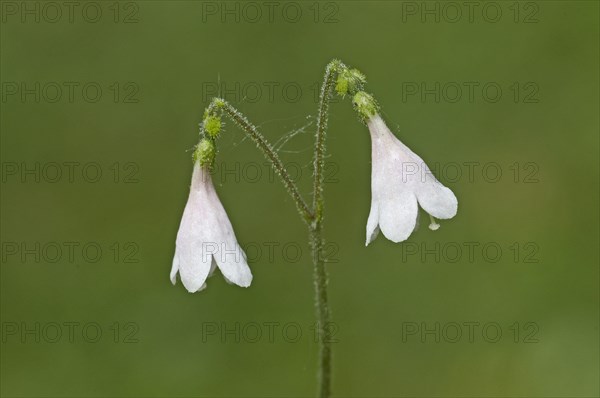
[[313, 217]]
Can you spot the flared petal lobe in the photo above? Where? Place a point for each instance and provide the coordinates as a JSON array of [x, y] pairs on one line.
[[437, 200], [398, 216]]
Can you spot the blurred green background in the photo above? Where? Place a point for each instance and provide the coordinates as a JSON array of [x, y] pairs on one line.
[[157, 64]]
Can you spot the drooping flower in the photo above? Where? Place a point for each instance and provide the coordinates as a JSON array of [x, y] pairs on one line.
[[400, 181], [205, 239]]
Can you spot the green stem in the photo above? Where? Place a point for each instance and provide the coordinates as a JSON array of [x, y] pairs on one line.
[[320, 149], [268, 151], [323, 313], [313, 217], [316, 238]]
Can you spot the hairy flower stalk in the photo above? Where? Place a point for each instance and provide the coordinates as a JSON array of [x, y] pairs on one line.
[[269, 153], [395, 195], [316, 234]]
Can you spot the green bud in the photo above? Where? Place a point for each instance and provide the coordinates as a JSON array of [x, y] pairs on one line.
[[213, 108], [212, 126], [335, 64], [350, 81], [205, 153], [341, 86], [219, 102], [365, 105]]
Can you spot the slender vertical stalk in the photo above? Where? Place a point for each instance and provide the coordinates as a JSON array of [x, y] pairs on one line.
[[316, 237], [323, 313]]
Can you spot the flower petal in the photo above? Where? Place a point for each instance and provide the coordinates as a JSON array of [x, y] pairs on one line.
[[229, 256], [174, 268], [398, 215], [192, 258], [194, 266], [436, 199], [231, 260], [372, 223]]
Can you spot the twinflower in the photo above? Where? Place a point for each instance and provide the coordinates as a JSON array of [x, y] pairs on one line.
[[205, 239], [400, 182]]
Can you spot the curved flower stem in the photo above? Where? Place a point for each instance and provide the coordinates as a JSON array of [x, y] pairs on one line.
[[316, 238], [319, 155], [268, 151]]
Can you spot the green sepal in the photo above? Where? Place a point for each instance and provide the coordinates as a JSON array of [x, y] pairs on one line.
[[205, 153]]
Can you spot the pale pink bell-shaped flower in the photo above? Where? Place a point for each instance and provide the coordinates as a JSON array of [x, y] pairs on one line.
[[206, 239], [399, 180]]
